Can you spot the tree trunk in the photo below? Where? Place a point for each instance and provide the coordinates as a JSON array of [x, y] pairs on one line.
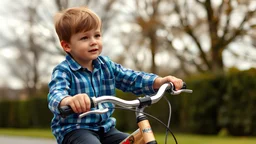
[[217, 61], [153, 45]]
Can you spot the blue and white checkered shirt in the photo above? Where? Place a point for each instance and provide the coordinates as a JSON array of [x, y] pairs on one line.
[[69, 79]]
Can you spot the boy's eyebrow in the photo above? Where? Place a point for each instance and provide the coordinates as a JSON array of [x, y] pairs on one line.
[[86, 32], [97, 31]]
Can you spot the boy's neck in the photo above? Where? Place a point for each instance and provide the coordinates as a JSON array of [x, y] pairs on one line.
[[87, 65]]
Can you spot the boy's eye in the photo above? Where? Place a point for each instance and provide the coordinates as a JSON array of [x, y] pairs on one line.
[[97, 35], [84, 38]]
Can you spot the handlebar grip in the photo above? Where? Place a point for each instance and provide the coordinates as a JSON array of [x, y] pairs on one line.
[[67, 110], [184, 86]]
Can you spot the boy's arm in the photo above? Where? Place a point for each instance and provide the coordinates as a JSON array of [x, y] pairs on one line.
[[59, 94], [137, 82], [58, 89]]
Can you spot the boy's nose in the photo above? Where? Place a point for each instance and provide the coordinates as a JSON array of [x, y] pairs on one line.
[[93, 41]]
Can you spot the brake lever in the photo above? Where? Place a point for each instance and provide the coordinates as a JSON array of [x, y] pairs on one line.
[[97, 111], [176, 92]]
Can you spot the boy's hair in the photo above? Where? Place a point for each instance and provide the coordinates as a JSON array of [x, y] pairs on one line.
[[75, 20]]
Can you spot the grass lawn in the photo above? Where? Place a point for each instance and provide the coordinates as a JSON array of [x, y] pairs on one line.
[[42, 133], [181, 138], [199, 139]]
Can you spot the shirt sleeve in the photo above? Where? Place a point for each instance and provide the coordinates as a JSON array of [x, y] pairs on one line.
[[136, 82], [58, 89]]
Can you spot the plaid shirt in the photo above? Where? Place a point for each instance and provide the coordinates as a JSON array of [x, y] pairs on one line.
[[69, 79]]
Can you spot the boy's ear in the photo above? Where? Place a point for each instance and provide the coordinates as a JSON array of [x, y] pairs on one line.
[[65, 46]]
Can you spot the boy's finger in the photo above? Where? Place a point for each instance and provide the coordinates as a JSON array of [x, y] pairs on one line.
[[87, 102], [72, 105], [78, 106], [83, 105]]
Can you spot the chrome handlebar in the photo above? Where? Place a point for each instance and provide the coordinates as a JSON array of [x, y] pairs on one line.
[[140, 102]]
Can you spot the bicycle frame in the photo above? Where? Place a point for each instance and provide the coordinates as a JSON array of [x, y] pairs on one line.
[[134, 138], [144, 134]]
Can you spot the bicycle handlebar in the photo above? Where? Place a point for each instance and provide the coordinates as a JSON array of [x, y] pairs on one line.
[[140, 102]]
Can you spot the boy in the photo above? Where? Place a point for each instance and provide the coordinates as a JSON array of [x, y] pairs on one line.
[[83, 74]]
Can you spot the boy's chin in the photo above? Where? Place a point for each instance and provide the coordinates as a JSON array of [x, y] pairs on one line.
[[94, 57]]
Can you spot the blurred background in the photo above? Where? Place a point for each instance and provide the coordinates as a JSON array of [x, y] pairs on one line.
[[211, 44]]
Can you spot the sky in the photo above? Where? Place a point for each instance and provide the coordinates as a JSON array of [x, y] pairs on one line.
[[9, 19]]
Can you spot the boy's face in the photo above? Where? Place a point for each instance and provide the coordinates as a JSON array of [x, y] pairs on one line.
[[84, 46]]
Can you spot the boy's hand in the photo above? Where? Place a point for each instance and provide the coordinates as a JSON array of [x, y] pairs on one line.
[[160, 81], [79, 103]]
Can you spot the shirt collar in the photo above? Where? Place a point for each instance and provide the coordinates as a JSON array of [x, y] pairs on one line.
[[76, 66]]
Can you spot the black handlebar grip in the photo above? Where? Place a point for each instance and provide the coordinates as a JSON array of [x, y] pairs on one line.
[[184, 86], [67, 110]]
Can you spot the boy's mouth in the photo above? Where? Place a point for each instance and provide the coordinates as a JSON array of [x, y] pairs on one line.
[[93, 50]]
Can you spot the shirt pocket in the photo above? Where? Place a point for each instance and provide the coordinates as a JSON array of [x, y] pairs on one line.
[[108, 86]]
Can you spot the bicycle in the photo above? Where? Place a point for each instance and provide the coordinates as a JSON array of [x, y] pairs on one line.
[[144, 134]]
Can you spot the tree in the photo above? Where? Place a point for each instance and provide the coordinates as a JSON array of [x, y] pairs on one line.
[[221, 27], [196, 31], [26, 66], [35, 40], [32, 43], [146, 17]]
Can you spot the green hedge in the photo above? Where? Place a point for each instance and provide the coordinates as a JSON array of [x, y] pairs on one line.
[[25, 114], [4, 113], [201, 107], [238, 111], [221, 102]]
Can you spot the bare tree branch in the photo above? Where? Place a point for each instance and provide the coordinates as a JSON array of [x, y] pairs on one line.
[[240, 29], [228, 14], [189, 31]]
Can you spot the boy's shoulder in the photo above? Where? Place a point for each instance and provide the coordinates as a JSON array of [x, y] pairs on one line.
[[69, 66], [62, 66]]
